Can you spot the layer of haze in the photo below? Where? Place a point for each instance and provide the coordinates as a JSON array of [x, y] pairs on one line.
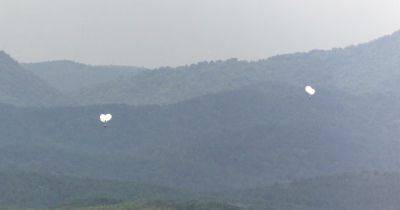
[[155, 33]]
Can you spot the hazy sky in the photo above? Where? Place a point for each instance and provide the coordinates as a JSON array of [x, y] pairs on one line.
[[173, 32]]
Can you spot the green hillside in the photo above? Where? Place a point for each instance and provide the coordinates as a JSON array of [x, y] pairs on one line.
[[363, 191], [233, 140], [191, 205], [29, 190], [368, 69], [23, 88]]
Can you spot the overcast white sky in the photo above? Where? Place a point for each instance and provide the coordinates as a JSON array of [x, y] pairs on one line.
[[155, 33]]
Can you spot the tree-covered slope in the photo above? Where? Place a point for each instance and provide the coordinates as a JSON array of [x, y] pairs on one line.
[[170, 85], [351, 191], [164, 205], [31, 190], [366, 69], [239, 139], [21, 87], [362, 191]]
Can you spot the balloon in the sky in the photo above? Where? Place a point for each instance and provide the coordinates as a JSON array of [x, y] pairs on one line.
[[309, 90], [104, 118]]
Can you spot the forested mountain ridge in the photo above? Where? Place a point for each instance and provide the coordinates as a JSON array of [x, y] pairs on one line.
[[21, 87], [365, 69], [171, 85]]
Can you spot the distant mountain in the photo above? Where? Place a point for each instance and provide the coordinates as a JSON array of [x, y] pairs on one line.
[[70, 77], [366, 69], [213, 126], [21, 87], [245, 138], [171, 85]]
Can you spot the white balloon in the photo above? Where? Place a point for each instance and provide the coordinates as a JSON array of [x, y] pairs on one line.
[[104, 118], [108, 117], [309, 90]]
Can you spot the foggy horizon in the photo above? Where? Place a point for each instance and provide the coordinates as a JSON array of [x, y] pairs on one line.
[[156, 33]]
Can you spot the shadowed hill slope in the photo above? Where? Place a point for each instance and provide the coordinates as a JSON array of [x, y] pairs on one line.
[[239, 139], [22, 88], [31, 190]]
